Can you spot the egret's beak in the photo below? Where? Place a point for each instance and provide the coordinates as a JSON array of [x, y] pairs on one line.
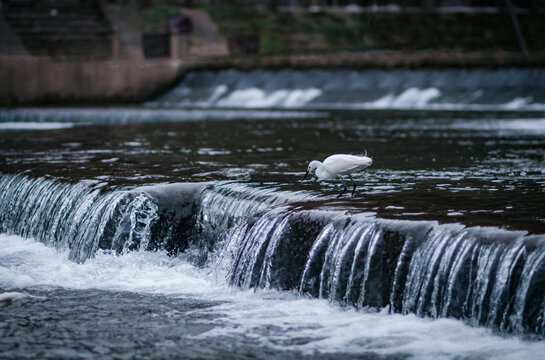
[[304, 177]]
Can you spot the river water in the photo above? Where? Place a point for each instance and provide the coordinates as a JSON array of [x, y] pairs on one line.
[[180, 228]]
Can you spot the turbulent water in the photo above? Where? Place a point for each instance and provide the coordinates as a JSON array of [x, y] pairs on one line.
[[187, 233]]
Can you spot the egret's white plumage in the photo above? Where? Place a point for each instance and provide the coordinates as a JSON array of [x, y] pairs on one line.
[[338, 165]]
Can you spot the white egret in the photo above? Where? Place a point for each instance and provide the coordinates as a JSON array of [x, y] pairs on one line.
[[338, 165]]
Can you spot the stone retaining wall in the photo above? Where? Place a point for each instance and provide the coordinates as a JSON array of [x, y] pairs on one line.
[[42, 80]]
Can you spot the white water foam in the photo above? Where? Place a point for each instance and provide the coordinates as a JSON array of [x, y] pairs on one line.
[[258, 98], [534, 126], [27, 263], [425, 99], [411, 98], [429, 98], [51, 118], [220, 90], [279, 320], [414, 98], [33, 125], [518, 103], [434, 89], [506, 127]]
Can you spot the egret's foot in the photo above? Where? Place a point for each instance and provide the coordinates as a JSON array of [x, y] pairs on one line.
[[344, 186], [341, 194], [353, 184]]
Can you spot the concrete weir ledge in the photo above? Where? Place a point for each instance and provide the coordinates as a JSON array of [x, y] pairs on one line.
[[30, 80]]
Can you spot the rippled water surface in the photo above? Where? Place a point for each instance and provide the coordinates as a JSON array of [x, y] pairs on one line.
[[470, 168], [476, 168]]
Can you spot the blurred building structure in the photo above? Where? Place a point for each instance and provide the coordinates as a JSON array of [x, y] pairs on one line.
[[56, 28], [83, 28], [86, 51], [68, 51]]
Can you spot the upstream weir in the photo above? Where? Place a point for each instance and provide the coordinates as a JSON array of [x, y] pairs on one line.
[[431, 89]]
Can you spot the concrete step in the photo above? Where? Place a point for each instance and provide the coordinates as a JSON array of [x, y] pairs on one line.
[[68, 48], [24, 30], [41, 4], [44, 38], [47, 16], [47, 11], [76, 28]]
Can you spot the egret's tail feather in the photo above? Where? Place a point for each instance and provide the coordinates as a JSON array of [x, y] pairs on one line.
[[364, 153]]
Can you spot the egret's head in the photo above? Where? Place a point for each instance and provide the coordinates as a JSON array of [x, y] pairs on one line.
[[312, 166]]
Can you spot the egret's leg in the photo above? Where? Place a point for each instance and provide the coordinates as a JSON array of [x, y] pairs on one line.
[[345, 187], [353, 183]]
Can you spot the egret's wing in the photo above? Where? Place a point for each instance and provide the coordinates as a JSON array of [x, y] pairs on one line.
[[344, 163]]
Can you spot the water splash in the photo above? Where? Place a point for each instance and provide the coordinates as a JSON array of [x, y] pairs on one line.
[[83, 217], [222, 205], [485, 276], [416, 267]]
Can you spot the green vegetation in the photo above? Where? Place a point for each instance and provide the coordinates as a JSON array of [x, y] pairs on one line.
[[283, 32], [435, 31], [153, 19]]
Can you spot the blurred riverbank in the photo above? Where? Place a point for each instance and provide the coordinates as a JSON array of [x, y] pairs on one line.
[[31, 80], [244, 38]]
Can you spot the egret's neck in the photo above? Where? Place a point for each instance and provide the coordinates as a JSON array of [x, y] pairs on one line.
[[322, 173]]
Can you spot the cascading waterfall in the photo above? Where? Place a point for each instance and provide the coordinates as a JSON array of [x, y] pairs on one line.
[[498, 89], [486, 276], [83, 217], [89, 215], [221, 206]]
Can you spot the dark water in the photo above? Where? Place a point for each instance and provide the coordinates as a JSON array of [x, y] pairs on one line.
[[187, 233], [51, 316], [103, 329], [486, 169], [118, 325]]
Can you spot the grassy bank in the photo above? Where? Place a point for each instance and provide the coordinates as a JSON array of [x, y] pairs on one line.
[[282, 32], [286, 32]]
